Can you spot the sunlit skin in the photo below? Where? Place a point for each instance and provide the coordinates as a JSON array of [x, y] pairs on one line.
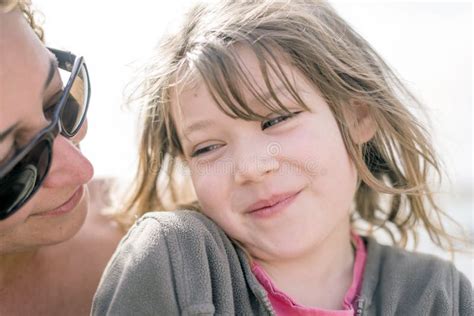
[[25, 64], [42, 267], [304, 246]]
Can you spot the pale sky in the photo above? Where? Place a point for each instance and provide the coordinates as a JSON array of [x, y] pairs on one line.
[[429, 44]]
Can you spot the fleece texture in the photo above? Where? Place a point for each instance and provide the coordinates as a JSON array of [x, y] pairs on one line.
[[182, 263]]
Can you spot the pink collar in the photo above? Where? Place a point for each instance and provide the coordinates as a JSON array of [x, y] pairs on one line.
[[285, 305]]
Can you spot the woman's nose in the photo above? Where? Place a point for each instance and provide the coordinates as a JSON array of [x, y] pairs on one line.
[[69, 167]]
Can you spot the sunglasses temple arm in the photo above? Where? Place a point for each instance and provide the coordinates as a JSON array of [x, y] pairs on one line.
[[65, 59]]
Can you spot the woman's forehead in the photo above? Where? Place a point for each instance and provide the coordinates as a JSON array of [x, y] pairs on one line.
[[25, 65]]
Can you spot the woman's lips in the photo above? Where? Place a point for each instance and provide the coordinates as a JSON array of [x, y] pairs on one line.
[[275, 208], [68, 206]]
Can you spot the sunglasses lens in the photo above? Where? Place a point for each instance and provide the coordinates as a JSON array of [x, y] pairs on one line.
[[17, 186], [75, 108]]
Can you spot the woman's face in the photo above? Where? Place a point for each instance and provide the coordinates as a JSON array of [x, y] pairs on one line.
[[29, 82], [281, 187]]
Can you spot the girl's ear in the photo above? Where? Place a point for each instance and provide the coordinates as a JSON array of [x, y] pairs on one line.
[[361, 123]]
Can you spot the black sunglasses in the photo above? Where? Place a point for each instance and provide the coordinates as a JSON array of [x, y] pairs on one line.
[[22, 175]]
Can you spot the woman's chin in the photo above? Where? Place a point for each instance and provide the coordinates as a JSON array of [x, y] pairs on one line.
[[65, 227]]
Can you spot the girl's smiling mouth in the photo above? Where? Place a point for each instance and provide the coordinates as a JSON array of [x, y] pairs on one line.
[[274, 204]]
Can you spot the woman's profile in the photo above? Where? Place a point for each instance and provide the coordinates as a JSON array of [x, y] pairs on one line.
[[52, 248]]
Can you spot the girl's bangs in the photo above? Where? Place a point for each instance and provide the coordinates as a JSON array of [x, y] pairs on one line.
[[234, 88]]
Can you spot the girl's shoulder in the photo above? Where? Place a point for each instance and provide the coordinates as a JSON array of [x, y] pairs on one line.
[[180, 225], [180, 260], [414, 282], [173, 238], [393, 257]]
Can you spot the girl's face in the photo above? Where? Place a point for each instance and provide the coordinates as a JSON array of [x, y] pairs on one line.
[[29, 81], [280, 187]]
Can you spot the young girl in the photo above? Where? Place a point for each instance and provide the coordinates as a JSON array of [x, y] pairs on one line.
[[299, 145]]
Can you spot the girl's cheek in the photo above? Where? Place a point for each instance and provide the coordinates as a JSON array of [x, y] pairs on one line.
[[210, 187]]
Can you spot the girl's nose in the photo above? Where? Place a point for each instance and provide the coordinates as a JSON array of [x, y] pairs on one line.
[[254, 165], [69, 167]]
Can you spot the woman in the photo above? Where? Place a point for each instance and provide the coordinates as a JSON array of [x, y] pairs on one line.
[[49, 265]]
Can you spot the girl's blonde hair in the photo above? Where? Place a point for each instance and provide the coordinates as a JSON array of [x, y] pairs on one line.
[[394, 166], [25, 7]]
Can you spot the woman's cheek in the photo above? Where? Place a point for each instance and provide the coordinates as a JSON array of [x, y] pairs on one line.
[[81, 134]]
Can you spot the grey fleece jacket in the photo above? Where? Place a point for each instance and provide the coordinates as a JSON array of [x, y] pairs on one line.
[[181, 263]]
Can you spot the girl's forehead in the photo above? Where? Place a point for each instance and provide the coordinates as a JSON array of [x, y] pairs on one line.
[[252, 84], [193, 105]]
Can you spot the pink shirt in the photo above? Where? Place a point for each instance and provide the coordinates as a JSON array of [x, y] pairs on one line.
[[285, 305]]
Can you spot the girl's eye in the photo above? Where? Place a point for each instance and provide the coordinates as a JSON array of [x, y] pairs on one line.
[[269, 123], [204, 150]]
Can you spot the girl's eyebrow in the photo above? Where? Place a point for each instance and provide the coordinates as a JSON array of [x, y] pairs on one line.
[[206, 123], [4, 134], [280, 90], [267, 95], [198, 125]]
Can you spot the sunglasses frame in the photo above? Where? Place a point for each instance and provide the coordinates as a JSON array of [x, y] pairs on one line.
[[69, 62]]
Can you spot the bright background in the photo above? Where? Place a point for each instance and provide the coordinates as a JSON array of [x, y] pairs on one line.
[[429, 44]]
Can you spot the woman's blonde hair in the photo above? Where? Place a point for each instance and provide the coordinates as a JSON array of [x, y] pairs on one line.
[[394, 166], [26, 8]]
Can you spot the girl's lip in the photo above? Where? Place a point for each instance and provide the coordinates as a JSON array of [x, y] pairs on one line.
[[66, 207], [271, 200], [283, 201]]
